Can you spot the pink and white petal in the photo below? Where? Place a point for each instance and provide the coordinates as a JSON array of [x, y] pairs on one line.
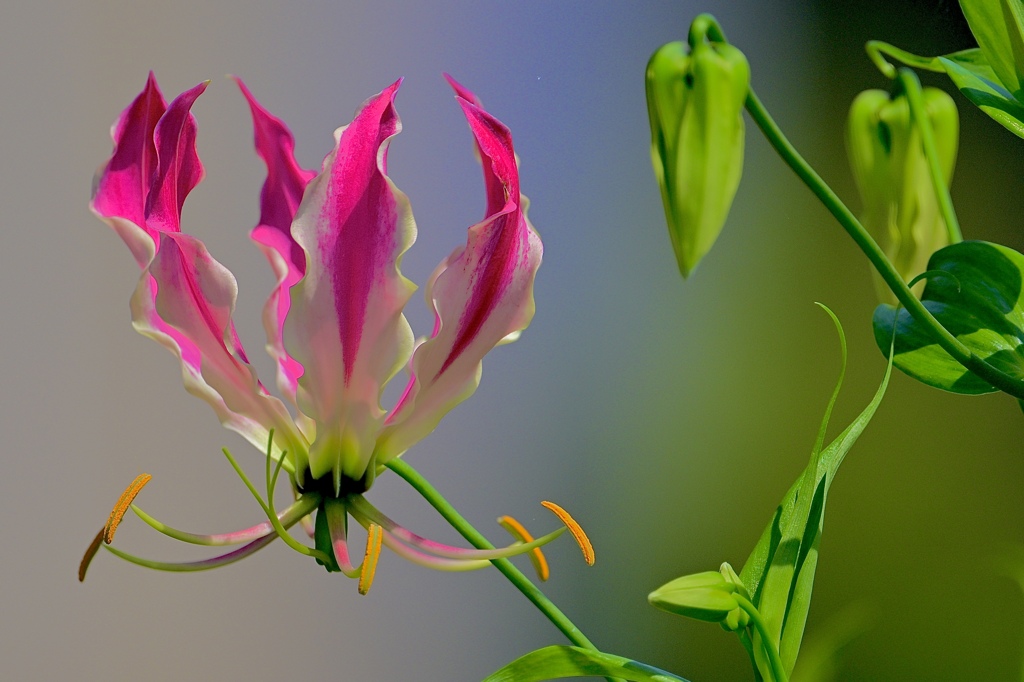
[[178, 168], [493, 182], [185, 300], [286, 179], [482, 295], [345, 325], [122, 184], [280, 198]]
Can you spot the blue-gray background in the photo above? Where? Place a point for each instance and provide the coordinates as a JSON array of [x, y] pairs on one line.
[[669, 417]]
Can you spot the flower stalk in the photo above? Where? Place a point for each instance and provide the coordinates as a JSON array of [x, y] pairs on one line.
[[874, 253]]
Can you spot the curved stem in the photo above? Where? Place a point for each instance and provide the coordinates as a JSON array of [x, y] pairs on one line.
[[705, 27], [877, 48], [475, 538], [919, 114], [864, 241], [778, 670]]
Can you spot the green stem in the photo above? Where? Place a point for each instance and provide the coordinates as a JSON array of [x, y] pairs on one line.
[[778, 670], [705, 27], [919, 114], [475, 538], [860, 236], [877, 48]]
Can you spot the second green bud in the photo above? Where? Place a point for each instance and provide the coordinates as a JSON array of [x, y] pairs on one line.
[[901, 208]]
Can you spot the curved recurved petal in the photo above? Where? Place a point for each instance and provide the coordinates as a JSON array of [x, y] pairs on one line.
[[178, 168], [345, 326], [280, 198], [482, 295], [493, 182], [122, 184], [142, 188], [184, 300]]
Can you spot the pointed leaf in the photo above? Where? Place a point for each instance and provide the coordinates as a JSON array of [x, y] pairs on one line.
[[973, 75], [996, 26], [568, 661], [980, 303], [780, 571]]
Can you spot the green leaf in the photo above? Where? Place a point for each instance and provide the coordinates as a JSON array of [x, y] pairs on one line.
[[780, 571], [980, 303], [975, 78], [553, 662], [997, 27]]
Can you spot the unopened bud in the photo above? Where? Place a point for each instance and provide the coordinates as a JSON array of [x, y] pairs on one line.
[[695, 100], [901, 209], [704, 596]]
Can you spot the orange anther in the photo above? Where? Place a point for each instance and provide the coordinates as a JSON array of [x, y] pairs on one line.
[[577, 532], [374, 536], [121, 508], [519, 532]]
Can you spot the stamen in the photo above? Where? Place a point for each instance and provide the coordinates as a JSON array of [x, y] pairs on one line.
[[94, 547], [519, 532], [374, 535], [237, 537], [366, 513], [121, 508], [577, 532], [336, 515], [303, 507], [417, 557]]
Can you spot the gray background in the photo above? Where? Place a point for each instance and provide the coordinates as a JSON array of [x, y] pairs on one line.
[[669, 417]]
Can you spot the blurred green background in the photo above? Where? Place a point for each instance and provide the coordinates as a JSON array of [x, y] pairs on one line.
[[670, 418]]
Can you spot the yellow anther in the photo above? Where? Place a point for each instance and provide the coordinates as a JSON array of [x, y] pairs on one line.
[[94, 547], [577, 532], [519, 532], [374, 536], [121, 508]]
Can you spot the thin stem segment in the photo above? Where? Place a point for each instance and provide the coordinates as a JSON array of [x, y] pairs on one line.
[[961, 353], [475, 538], [911, 85], [877, 50], [778, 670]]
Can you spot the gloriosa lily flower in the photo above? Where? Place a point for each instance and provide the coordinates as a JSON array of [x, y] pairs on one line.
[[334, 320]]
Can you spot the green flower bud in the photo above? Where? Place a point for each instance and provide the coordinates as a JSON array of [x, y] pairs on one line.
[[704, 596], [695, 101], [901, 210], [737, 619], [733, 578]]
